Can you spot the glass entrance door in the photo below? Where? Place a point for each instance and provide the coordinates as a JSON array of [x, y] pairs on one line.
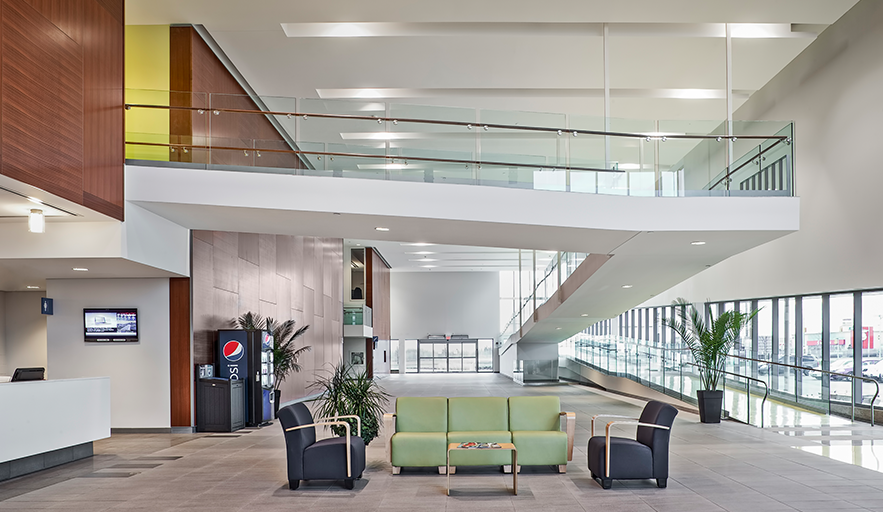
[[441, 355]]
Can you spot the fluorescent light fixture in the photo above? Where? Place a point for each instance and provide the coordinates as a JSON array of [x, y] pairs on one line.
[[80, 269], [30, 287], [34, 200], [381, 229], [36, 221], [430, 266], [626, 286], [421, 252], [584, 314], [424, 259], [419, 244], [557, 328], [697, 242]]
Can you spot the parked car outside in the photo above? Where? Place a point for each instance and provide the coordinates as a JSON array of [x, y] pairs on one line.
[[808, 361]]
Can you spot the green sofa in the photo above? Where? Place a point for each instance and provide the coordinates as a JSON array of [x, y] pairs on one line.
[[418, 433]]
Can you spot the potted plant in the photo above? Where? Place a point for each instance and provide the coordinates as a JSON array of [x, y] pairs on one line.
[[344, 392], [285, 355], [709, 344]]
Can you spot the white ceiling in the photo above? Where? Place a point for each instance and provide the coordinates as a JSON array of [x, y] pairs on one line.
[[429, 257], [506, 55]]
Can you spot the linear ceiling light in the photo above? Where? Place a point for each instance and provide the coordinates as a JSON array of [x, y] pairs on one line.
[[36, 221]]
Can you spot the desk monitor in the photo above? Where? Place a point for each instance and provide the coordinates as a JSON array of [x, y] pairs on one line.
[[22, 374]]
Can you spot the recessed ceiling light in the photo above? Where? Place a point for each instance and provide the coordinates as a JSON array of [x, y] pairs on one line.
[[419, 244], [429, 266], [584, 314], [381, 229], [80, 269], [557, 328], [424, 259], [697, 242], [626, 286], [421, 252], [36, 221], [33, 287]]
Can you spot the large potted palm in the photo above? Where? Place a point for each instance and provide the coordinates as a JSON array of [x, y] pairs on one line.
[[285, 355], [709, 344]]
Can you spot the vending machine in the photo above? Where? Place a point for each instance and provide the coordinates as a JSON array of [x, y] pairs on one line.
[[248, 356]]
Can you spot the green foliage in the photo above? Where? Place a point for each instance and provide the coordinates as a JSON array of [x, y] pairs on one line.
[[285, 355], [710, 343], [345, 393]]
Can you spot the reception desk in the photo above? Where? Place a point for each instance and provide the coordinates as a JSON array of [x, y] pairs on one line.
[[50, 422]]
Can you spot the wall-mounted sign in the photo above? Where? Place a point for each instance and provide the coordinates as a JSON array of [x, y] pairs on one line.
[[46, 306]]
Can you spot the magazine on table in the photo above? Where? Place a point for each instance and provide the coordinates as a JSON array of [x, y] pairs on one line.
[[478, 445]]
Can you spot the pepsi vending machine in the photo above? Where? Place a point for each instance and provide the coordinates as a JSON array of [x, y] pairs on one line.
[[248, 355]]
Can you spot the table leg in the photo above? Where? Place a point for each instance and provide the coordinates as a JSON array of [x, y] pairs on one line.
[[448, 471], [515, 471]]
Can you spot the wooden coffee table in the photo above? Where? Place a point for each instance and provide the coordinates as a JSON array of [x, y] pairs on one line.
[[503, 446]]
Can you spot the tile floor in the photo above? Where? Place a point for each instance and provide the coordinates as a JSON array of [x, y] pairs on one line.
[[729, 466]]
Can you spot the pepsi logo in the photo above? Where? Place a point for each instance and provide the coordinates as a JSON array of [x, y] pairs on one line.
[[233, 351]]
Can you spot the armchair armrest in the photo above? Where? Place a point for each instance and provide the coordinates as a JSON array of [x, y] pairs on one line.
[[607, 438], [389, 428], [346, 426], [335, 418], [609, 416], [570, 428]]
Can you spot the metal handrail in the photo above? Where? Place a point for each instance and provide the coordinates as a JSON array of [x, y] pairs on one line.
[[766, 393], [806, 368], [369, 155], [465, 124]]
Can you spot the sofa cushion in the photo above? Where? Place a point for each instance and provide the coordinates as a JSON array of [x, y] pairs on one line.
[[419, 449], [326, 459], [421, 414], [478, 414], [537, 448], [481, 457], [534, 413]]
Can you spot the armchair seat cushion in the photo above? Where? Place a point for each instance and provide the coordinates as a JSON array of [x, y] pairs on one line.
[[419, 449], [485, 457], [322, 459], [540, 447], [628, 458]]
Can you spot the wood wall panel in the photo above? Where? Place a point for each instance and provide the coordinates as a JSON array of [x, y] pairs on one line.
[[103, 95], [196, 69], [179, 350], [288, 264], [377, 292], [42, 102], [61, 99]]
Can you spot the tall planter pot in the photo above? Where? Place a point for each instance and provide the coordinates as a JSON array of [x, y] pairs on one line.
[[277, 394], [710, 405]]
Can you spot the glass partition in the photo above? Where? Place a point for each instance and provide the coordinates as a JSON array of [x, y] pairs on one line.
[[369, 139]]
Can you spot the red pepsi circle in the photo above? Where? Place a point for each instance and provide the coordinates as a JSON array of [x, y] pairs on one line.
[[233, 351]]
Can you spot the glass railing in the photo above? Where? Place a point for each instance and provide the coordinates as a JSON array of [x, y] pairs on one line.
[[377, 140], [548, 284], [358, 315], [671, 370]]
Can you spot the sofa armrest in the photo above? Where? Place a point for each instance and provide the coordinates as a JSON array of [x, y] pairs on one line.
[[570, 428], [335, 418], [389, 428], [608, 416]]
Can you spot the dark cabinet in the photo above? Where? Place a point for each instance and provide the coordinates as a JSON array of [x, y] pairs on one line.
[[220, 405]]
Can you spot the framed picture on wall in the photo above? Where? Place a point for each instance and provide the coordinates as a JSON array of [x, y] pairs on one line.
[[357, 358]]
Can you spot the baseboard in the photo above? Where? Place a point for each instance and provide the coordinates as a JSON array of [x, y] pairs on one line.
[[32, 464], [183, 430]]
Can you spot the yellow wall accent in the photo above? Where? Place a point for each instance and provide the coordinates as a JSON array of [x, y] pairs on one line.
[[147, 81]]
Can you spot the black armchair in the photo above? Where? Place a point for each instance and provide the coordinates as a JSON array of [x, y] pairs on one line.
[[336, 458], [646, 456]]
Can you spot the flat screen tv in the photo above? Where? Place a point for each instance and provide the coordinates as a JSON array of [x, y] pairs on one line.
[[111, 325]]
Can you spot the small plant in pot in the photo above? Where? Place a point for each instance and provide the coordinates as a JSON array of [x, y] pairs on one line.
[[285, 355], [345, 392], [709, 344]]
